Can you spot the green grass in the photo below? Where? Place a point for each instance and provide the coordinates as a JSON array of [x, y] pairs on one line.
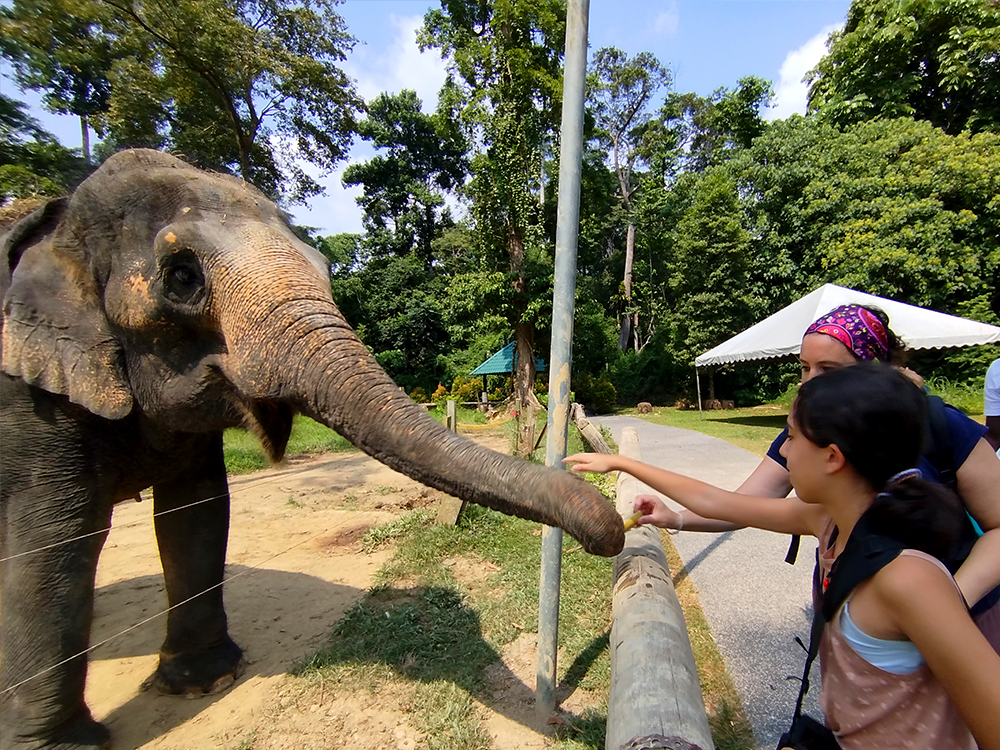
[[752, 429], [966, 396], [442, 631], [244, 454]]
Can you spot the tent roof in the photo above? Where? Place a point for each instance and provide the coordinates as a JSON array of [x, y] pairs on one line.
[[502, 363], [781, 334]]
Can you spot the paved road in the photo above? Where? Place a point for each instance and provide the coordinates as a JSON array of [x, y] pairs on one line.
[[755, 602]]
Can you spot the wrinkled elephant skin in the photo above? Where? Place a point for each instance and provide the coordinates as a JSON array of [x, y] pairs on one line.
[[144, 314]]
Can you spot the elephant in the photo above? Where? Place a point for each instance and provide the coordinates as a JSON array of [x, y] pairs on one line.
[[151, 309]]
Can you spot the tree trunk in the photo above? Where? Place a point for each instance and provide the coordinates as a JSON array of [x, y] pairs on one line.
[[85, 138], [628, 323]]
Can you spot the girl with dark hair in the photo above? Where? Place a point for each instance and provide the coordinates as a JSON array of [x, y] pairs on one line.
[[903, 664], [846, 336]]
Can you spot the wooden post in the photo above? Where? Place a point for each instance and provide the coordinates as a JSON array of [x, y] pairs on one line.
[[450, 508], [655, 695], [590, 434]]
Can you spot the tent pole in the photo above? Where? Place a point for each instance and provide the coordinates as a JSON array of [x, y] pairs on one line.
[[697, 380]]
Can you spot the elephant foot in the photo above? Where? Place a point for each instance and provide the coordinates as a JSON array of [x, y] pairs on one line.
[[196, 675], [82, 733]]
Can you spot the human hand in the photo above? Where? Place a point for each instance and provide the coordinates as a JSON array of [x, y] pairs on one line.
[[656, 512], [599, 463]]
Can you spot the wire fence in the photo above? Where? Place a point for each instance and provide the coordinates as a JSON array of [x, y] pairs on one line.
[[247, 571]]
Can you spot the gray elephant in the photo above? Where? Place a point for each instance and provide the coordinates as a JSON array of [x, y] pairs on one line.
[[144, 314]]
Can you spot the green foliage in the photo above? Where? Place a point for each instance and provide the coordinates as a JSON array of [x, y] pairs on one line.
[[710, 268], [243, 453], [246, 86], [933, 60], [419, 396], [896, 208], [31, 160], [422, 155], [597, 394]]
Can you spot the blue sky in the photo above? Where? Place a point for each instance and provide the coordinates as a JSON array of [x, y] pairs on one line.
[[705, 43]]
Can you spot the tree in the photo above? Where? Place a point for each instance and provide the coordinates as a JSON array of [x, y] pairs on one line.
[[422, 156], [620, 91], [709, 269], [896, 208], [702, 131], [31, 160], [505, 85], [933, 60], [247, 86], [59, 47]]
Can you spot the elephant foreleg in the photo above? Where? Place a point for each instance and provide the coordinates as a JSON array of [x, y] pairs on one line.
[[198, 656], [48, 601]]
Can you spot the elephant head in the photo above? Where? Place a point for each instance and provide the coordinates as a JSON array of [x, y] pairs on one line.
[[184, 295]]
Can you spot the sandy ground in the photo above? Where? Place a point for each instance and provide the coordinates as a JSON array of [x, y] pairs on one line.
[[295, 566]]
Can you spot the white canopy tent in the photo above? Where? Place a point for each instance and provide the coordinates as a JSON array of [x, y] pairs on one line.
[[781, 334]]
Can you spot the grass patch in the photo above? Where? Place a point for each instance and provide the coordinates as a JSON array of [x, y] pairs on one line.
[[966, 396], [753, 429], [243, 452], [451, 599], [731, 730]]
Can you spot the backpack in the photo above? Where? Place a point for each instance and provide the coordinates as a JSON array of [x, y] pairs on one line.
[[864, 555], [939, 452]]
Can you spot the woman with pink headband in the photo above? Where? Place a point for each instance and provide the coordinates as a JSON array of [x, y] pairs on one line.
[[851, 334]]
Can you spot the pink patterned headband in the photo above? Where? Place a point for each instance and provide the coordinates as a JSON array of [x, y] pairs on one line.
[[857, 329]]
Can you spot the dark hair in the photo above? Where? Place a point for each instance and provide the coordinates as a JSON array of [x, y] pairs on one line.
[[877, 417], [897, 347]]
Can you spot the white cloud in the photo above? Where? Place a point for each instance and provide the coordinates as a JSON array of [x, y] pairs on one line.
[[667, 21], [401, 66], [791, 93]]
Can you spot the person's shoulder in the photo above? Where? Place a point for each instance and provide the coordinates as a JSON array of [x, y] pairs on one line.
[[993, 374], [905, 581]]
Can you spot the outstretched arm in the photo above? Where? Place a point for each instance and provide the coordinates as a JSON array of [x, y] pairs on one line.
[[923, 604], [979, 488], [785, 515], [769, 479]]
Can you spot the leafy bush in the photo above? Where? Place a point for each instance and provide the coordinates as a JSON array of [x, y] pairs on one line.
[[419, 395], [598, 394], [465, 389], [440, 394]]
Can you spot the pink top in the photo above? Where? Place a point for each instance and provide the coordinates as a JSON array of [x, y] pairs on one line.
[[868, 708]]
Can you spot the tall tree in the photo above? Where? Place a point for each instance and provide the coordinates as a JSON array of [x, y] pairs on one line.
[[421, 157], [621, 91], [932, 60], [32, 162], [504, 61], [60, 47], [247, 86]]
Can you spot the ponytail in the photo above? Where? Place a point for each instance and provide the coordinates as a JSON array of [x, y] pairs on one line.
[[921, 515]]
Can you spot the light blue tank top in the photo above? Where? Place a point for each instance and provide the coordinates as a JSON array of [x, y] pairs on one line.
[[895, 657]]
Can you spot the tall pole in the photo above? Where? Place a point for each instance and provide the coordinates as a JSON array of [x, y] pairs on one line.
[[563, 298]]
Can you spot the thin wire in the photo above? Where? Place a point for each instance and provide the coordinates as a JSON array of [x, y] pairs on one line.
[[249, 570], [102, 531]]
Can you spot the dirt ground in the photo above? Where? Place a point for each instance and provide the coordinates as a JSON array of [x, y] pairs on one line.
[[295, 566]]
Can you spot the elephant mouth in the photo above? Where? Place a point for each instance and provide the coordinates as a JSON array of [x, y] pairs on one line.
[[271, 422]]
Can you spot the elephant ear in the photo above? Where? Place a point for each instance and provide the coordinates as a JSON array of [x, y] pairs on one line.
[[55, 334]]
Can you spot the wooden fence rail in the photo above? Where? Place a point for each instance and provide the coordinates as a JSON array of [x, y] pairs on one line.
[[655, 699]]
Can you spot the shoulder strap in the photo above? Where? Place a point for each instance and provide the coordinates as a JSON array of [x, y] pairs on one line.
[[864, 555], [940, 451]]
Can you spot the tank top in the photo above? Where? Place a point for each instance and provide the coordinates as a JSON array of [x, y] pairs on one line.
[[868, 708]]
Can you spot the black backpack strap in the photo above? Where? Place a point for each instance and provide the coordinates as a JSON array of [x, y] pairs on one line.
[[793, 550], [864, 555], [940, 450]]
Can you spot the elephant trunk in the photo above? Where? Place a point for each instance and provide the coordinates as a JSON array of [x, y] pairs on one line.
[[295, 346]]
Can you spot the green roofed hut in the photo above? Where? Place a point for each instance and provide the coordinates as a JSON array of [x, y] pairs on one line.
[[502, 363]]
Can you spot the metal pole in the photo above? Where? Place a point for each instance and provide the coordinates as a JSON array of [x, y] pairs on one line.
[[564, 293], [697, 380]]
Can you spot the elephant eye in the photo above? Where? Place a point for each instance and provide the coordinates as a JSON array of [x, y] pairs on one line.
[[183, 280]]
